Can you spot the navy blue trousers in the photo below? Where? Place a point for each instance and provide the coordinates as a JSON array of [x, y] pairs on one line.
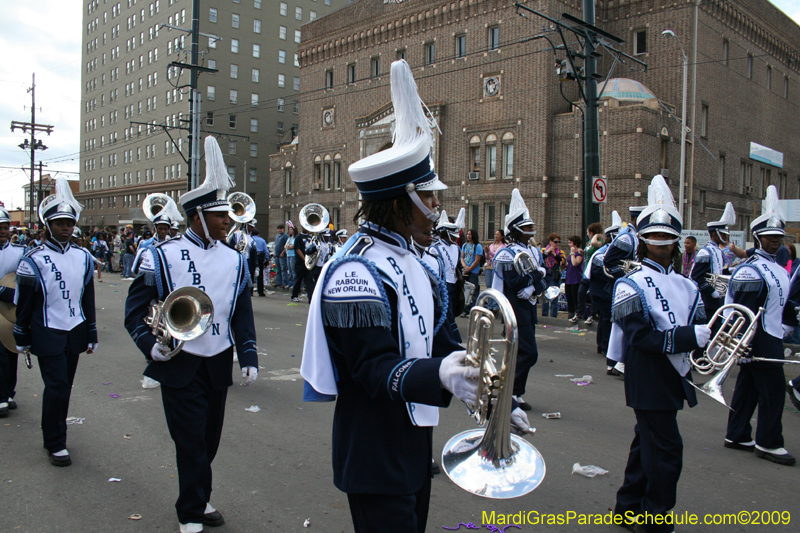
[[391, 513], [654, 467], [58, 373], [8, 373], [194, 414], [765, 388]]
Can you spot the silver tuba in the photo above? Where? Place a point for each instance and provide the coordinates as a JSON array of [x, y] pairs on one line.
[[153, 204], [493, 463], [243, 210], [730, 344], [184, 315], [315, 219]]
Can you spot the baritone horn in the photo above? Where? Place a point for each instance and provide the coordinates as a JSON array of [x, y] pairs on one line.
[[153, 204], [719, 282], [315, 219], [493, 463], [243, 210], [184, 315]]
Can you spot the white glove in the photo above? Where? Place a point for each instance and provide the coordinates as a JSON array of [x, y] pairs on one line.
[[716, 295], [703, 335], [519, 422], [526, 293], [249, 374], [92, 347], [159, 352], [797, 310], [459, 379], [257, 272], [21, 349]]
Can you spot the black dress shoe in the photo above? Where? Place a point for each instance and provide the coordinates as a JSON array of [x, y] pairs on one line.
[[435, 468], [12, 404], [4, 411], [739, 446], [59, 460], [789, 389], [213, 519], [781, 459]]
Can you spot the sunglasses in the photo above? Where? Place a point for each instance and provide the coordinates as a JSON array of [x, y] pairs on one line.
[[557, 242]]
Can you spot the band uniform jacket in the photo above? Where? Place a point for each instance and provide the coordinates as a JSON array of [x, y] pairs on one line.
[[55, 300], [222, 273], [10, 256], [709, 260]]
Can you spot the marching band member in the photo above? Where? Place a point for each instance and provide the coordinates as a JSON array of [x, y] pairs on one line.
[[601, 287], [341, 238], [655, 308], [162, 224], [624, 245], [709, 259], [10, 255], [174, 229], [448, 249], [56, 313], [761, 282], [520, 288], [431, 256], [373, 337], [194, 383]]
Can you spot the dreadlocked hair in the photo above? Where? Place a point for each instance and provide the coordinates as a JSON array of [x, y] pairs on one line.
[[386, 213]]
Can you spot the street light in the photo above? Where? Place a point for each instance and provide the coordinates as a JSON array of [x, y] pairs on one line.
[[670, 33]]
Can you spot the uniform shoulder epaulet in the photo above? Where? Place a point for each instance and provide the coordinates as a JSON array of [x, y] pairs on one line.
[[162, 243], [361, 245], [746, 278], [703, 256], [353, 294], [628, 298], [624, 242], [33, 250], [597, 257], [15, 245]]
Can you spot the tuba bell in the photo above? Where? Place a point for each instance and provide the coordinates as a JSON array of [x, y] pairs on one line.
[[153, 204], [493, 463], [315, 219], [243, 210], [184, 315]]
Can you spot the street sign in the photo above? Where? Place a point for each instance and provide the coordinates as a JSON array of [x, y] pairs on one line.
[[599, 190]]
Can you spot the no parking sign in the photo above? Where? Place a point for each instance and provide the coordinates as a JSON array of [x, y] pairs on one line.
[[599, 190]]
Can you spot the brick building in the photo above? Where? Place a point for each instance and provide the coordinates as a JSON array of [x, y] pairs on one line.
[[251, 103], [504, 122]]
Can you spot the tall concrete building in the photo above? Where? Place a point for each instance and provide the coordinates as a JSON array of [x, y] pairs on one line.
[[134, 102], [505, 120]]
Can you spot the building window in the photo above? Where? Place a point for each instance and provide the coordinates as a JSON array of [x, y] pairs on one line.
[[297, 61], [284, 8], [254, 99], [375, 67], [491, 161], [282, 57], [745, 178], [508, 160], [297, 36], [212, 15], [257, 4], [704, 120], [296, 107], [232, 172], [211, 93], [256, 26], [209, 118], [329, 79], [786, 86], [493, 38], [401, 54], [640, 41], [298, 13], [232, 122], [783, 178], [475, 157], [282, 33], [702, 202], [351, 73], [461, 45], [337, 172], [328, 174], [253, 150], [430, 53], [235, 20], [255, 75], [280, 104], [769, 78], [721, 173], [749, 71], [287, 181], [254, 125], [234, 71], [234, 96], [212, 43], [234, 46], [232, 147], [281, 80], [253, 174], [489, 227], [726, 47], [296, 83], [312, 16]]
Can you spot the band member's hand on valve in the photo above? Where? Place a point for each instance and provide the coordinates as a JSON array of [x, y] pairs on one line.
[[703, 335], [159, 352], [249, 375], [519, 422], [526, 293], [459, 379]]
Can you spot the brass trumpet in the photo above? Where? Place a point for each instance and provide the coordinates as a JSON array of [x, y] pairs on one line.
[[493, 463]]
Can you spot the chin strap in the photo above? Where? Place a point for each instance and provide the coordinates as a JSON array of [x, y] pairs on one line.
[[723, 242], [655, 242], [213, 242], [526, 233], [430, 215]]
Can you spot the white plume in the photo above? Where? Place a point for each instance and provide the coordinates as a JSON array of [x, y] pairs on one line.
[[616, 220], [410, 122], [729, 215], [217, 177], [171, 210], [771, 201], [443, 219], [658, 193], [461, 218]]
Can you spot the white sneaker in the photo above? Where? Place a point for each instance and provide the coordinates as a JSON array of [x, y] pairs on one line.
[[588, 321], [573, 320]]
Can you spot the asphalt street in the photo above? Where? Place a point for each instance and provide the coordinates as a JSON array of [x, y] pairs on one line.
[[273, 470]]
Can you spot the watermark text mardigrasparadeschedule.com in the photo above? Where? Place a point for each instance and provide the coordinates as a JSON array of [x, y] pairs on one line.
[[500, 522]]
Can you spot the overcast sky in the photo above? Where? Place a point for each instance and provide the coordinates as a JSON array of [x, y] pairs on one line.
[[44, 36]]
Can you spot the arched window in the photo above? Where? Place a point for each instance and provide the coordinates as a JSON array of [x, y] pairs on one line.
[[337, 171], [475, 153], [508, 154], [317, 171], [491, 156]]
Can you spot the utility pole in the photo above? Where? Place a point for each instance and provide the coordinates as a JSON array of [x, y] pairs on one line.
[[591, 128], [193, 163], [33, 144]]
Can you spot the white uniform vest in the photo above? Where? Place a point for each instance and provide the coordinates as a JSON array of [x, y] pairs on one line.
[[10, 255], [759, 270]]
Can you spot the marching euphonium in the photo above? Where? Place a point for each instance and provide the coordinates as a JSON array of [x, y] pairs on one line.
[[184, 315], [153, 204], [243, 210], [719, 282], [627, 266], [493, 463], [315, 219]]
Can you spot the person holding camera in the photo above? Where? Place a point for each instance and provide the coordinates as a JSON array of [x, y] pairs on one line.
[[554, 261]]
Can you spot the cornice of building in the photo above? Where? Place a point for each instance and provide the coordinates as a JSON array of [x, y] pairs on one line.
[[160, 186]]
